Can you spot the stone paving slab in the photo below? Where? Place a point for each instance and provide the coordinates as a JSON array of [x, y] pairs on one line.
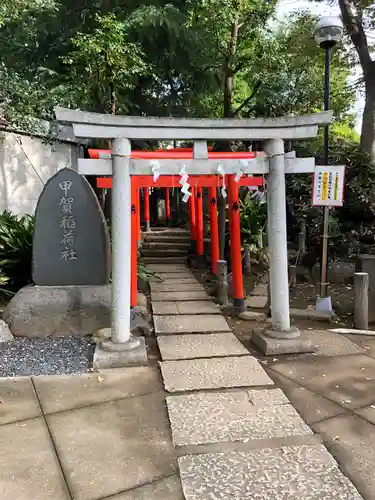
[[352, 441], [345, 380], [312, 407], [332, 344], [169, 279], [200, 346], [175, 287], [113, 447], [18, 400], [179, 296], [61, 393], [198, 374], [167, 268], [257, 301], [165, 308], [210, 418], [368, 413], [168, 488], [176, 277], [260, 289], [207, 323], [191, 307], [198, 307], [287, 473], [29, 466]]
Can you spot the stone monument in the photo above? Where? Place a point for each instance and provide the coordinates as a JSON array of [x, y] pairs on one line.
[[71, 264], [71, 242]]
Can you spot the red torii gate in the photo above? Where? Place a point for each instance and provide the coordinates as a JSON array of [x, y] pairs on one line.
[[212, 182]]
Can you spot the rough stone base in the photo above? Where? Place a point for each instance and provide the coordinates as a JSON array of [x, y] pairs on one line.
[[43, 311], [134, 357], [5, 333], [270, 346]]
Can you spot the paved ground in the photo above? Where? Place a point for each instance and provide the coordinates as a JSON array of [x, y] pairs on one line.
[[334, 393], [236, 435], [222, 429], [87, 437]]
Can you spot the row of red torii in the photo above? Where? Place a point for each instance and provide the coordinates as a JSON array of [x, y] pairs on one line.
[[197, 183], [198, 169]]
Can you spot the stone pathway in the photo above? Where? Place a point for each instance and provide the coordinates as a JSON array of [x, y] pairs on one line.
[[235, 434]]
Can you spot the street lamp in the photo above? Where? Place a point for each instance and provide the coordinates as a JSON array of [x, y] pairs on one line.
[[328, 32]]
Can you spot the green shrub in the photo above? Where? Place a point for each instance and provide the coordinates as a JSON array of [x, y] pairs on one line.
[[253, 218], [16, 240], [16, 246]]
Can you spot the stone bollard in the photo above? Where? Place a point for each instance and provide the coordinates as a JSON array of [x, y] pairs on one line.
[[292, 276], [361, 286], [222, 277], [246, 260]]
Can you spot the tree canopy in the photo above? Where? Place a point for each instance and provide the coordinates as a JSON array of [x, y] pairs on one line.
[[178, 58]]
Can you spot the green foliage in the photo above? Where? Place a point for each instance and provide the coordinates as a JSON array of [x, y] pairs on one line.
[[359, 196], [16, 238], [109, 61], [146, 275], [292, 68], [16, 243], [253, 218], [161, 58]]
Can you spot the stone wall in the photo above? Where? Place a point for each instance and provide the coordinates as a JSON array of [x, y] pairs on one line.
[[26, 163]]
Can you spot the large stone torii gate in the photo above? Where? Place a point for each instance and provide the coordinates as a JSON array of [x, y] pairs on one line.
[[280, 337]]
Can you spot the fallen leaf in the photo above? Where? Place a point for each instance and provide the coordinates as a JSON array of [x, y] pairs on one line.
[[373, 407], [336, 438], [1, 401], [347, 401], [100, 379], [368, 378], [324, 375]]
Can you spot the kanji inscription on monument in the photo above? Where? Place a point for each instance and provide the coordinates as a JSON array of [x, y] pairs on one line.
[[71, 242]]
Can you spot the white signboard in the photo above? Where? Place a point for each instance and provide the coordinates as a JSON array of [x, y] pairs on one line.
[[328, 187]]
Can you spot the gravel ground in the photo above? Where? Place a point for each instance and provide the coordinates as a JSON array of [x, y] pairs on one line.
[[47, 356]]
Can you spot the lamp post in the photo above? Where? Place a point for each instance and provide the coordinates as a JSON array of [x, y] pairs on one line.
[[328, 32]]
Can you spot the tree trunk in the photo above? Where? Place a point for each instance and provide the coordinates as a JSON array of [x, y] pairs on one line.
[[352, 15], [368, 119], [228, 70], [228, 113]]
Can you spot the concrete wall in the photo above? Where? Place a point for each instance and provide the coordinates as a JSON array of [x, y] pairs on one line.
[[26, 164]]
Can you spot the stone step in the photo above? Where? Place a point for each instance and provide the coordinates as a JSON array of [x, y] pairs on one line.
[[188, 295], [213, 373], [186, 323], [167, 236], [189, 307], [304, 471], [170, 270], [164, 260], [192, 346], [163, 252], [175, 287], [238, 416], [166, 244]]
